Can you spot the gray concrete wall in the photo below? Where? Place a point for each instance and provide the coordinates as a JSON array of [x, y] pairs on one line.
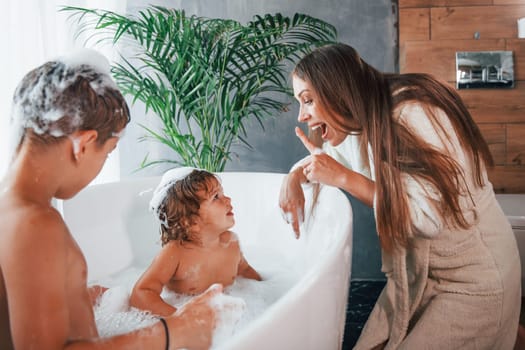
[[370, 26]]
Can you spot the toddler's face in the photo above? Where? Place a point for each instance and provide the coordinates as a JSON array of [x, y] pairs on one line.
[[215, 213]]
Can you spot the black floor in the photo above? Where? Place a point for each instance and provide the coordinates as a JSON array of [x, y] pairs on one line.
[[361, 300]]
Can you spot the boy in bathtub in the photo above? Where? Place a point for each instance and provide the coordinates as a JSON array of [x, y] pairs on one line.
[[67, 116], [198, 249]]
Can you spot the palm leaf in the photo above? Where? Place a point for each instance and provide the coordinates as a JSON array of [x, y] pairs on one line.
[[206, 76]]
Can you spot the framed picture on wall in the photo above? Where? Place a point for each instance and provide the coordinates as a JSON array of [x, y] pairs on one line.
[[484, 70]]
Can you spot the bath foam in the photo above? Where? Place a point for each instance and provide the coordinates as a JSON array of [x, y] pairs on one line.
[[169, 178], [229, 311], [300, 304], [236, 307], [114, 316]]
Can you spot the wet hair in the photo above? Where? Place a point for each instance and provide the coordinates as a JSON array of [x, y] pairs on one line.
[[180, 207], [60, 97], [362, 100]]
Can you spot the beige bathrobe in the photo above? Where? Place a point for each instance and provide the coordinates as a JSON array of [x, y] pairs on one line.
[[450, 288]]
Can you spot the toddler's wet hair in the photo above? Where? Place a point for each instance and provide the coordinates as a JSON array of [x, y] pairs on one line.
[[180, 205]]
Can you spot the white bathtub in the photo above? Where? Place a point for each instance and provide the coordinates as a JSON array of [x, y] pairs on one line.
[[513, 206], [115, 230]]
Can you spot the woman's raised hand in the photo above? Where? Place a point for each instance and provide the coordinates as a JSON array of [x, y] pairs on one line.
[[319, 166]]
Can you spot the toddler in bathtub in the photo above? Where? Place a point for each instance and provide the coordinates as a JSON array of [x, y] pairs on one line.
[[198, 249]]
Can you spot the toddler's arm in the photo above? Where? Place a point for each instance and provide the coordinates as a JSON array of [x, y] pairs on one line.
[[247, 271], [147, 290]]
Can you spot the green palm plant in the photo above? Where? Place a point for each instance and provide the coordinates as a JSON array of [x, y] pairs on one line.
[[204, 77]]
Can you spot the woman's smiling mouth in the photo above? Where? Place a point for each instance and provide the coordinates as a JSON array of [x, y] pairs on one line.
[[322, 128]]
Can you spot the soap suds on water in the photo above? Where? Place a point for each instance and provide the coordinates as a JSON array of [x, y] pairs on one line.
[[239, 305]]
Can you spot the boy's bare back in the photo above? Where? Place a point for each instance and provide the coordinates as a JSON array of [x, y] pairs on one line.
[[34, 241], [68, 117]]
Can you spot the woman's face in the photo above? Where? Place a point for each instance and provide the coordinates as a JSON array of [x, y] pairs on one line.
[[312, 112]]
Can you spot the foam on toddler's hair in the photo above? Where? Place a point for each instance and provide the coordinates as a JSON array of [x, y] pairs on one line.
[[37, 102], [168, 179]]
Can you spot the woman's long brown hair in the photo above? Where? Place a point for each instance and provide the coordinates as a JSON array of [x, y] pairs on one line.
[[363, 101]]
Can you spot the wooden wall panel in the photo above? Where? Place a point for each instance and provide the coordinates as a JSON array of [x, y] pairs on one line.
[[496, 105], [416, 23], [494, 135], [517, 46], [462, 22], [516, 144], [438, 3], [507, 2], [500, 113], [506, 179], [439, 57]]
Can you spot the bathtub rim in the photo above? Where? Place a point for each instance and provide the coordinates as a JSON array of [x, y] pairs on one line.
[[305, 282], [302, 285]]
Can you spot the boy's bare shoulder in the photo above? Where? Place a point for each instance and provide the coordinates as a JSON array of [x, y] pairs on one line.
[[30, 235], [30, 222], [44, 218]]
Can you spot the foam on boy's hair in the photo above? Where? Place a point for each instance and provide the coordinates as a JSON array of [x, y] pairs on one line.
[[38, 101], [168, 179], [88, 57]]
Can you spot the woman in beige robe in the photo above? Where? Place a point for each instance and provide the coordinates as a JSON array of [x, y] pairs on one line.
[[407, 146]]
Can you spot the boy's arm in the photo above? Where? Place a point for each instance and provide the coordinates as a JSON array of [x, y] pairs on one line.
[[191, 327], [40, 298], [247, 271], [147, 290]]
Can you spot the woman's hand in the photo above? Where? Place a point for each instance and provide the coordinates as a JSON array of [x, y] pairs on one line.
[[192, 326], [320, 167], [291, 198], [324, 169]]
